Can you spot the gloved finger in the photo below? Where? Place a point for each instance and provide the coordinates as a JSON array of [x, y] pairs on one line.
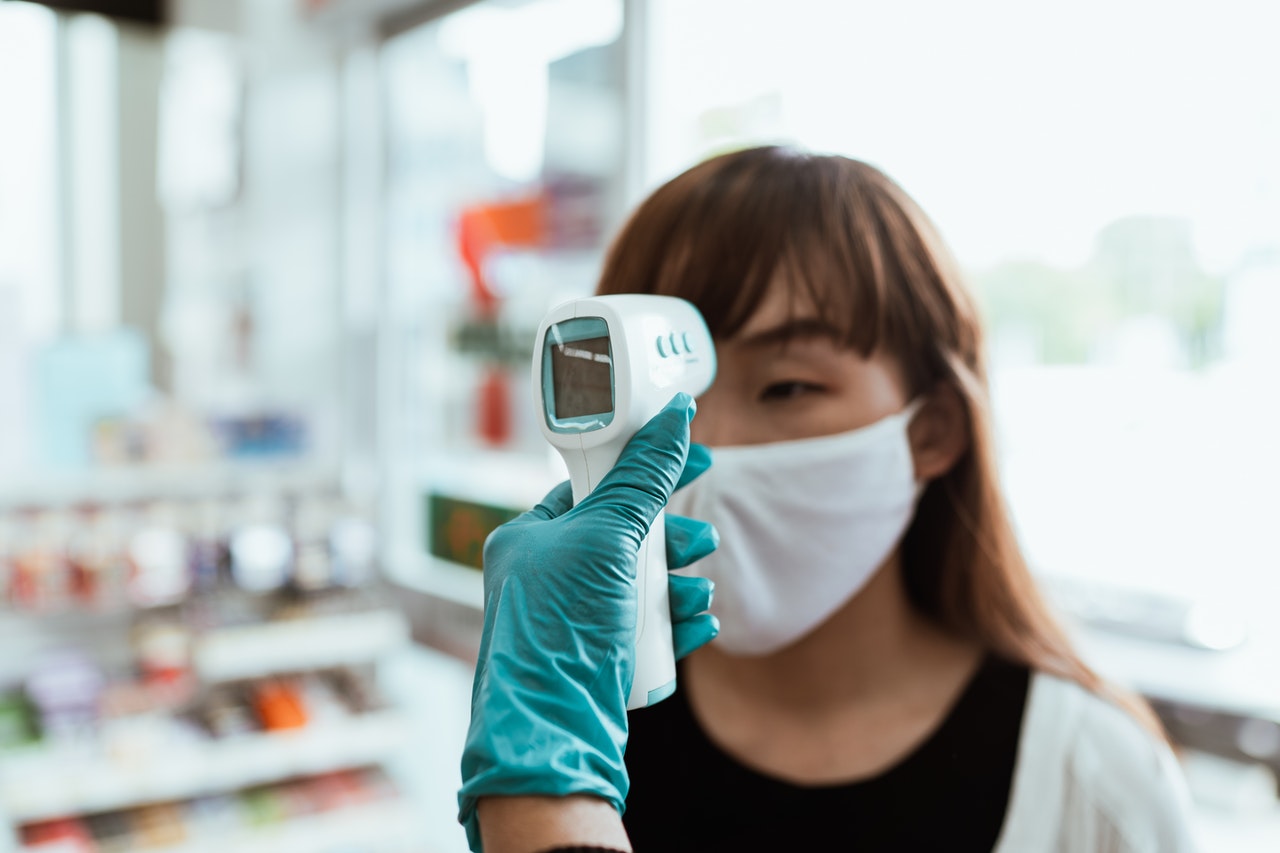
[[699, 460], [557, 502], [692, 634], [647, 470], [689, 540], [688, 596]]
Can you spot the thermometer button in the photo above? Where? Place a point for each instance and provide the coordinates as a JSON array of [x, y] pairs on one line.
[[684, 338], [675, 349], [662, 352]]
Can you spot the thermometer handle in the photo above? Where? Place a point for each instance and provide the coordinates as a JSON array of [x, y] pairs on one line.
[[655, 677], [655, 655]]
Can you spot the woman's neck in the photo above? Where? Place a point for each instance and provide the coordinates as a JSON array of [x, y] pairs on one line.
[[877, 645]]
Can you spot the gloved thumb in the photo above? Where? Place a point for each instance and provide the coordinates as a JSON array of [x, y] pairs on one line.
[[647, 470], [698, 461]]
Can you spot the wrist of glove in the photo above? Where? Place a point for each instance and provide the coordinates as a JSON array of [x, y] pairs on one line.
[[557, 656]]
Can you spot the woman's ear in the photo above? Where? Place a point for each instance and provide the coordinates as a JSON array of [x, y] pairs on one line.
[[939, 433]]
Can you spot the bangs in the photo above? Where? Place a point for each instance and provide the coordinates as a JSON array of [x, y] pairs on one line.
[[726, 232]]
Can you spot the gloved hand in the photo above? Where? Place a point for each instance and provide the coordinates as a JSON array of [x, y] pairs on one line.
[[557, 654]]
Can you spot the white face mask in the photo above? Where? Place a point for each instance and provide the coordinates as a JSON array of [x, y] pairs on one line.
[[803, 526]]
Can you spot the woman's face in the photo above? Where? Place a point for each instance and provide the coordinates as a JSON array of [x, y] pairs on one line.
[[785, 376]]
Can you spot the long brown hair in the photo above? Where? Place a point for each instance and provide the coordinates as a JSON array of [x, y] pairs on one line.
[[859, 249]]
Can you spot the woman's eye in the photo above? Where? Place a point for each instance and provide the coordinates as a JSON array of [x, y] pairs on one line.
[[788, 390]]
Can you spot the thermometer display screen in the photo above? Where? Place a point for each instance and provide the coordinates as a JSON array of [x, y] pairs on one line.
[[582, 376]]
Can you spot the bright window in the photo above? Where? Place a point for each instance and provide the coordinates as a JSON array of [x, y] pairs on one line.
[[1106, 173], [29, 273]]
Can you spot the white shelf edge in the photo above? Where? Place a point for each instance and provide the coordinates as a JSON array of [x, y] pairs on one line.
[[431, 575], [514, 478], [380, 825], [30, 792], [318, 642], [385, 825], [126, 483]]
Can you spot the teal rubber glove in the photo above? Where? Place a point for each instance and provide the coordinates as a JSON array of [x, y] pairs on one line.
[[689, 540], [557, 656]]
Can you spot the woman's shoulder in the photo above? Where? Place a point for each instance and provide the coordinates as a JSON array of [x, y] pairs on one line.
[[1089, 767], [1099, 735]]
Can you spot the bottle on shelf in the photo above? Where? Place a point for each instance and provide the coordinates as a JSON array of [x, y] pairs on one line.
[[314, 565], [353, 543], [158, 554], [41, 579], [98, 560], [66, 689], [261, 550], [205, 522], [162, 651], [279, 704]]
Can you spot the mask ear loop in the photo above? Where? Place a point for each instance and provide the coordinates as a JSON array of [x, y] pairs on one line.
[[908, 414], [911, 409]]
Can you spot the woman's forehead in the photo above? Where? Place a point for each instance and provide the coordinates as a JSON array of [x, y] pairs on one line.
[[783, 302]]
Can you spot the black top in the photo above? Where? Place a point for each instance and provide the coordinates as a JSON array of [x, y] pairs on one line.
[[950, 793]]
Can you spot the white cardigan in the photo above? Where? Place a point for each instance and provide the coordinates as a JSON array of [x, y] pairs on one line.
[[1090, 779]]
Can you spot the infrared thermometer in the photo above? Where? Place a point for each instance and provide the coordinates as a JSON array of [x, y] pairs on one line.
[[602, 367]]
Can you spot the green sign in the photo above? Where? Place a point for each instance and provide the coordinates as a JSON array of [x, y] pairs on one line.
[[456, 528]]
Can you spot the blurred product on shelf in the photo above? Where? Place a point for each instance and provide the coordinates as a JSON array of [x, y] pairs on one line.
[[165, 553], [18, 726], [169, 434], [178, 649], [81, 380], [352, 548], [160, 432], [278, 705], [68, 698], [65, 690], [497, 241], [97, 555], [162, 649], [565, 213], [76, 743], [65, 835], [315, 557], [260, 436], [487, 228], [261, 548], [39, 575], [94, 406], [209, 550], [158, 555]]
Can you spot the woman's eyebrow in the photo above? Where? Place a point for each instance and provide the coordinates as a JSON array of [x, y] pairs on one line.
[[801, 329]]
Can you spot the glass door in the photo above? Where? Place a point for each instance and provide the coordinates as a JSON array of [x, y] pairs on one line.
[[507, 154]]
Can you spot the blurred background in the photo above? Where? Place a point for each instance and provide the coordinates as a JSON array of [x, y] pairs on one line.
[[269, 276]]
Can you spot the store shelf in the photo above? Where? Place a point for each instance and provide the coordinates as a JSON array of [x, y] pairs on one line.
[[42, 783], [383, 827], [373, 827], [251, 651], [443, 579], [513, 478], [126, 484]]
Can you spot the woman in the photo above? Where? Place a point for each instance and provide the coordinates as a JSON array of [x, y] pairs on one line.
[[886, 676]]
